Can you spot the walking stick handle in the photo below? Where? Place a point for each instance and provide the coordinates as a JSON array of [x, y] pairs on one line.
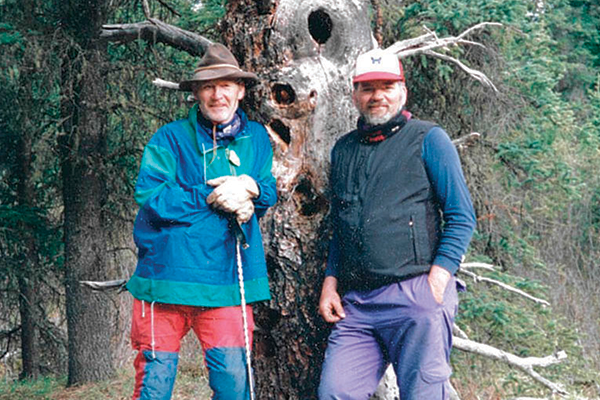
[[238, 232]]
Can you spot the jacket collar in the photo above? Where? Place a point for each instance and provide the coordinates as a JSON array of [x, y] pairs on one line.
[[203, 128]]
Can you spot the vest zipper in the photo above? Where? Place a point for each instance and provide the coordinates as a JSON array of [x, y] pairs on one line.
[[413, 238]]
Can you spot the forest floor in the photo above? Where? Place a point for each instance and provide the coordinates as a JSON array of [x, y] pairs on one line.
[[191, 384]]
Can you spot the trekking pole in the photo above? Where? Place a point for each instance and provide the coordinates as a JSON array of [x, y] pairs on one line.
[[240, 242]]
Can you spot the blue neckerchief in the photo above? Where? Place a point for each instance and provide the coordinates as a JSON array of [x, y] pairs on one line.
[[223, 132]]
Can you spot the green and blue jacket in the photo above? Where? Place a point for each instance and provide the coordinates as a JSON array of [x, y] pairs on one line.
[[186, 249]]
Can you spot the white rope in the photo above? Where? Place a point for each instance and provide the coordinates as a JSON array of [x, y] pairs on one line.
[[244, 316], [153, 344]]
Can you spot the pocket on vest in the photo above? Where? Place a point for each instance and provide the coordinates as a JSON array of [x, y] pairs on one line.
[[391, 245]]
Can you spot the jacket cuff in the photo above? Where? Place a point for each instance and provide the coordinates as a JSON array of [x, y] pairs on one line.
[[261, 193]]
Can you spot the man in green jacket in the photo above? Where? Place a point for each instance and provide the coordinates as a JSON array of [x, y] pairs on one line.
[[200, 179]]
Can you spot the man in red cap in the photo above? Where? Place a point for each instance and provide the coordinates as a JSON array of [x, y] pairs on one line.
[[402, 219], [201, 179]]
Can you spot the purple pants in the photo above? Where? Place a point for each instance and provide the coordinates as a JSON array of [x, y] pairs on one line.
[[400, 324]]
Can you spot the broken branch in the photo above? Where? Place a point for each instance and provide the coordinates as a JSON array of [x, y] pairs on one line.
[[156, 31], [479, 278], [525, 364]]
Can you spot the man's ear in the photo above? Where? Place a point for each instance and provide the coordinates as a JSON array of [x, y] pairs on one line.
[[242, 91], [354, 101], [194, 91], [404, 94]]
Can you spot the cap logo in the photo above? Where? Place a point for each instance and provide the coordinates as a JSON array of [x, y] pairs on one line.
[[375, 60]]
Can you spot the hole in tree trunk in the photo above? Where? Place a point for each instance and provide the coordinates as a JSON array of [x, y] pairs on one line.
[[281, 130], [283, 94], [311, 201], [319, 26]]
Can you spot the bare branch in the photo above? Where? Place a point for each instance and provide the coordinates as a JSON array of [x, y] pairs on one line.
[[466, 141], [156, 31], [525, 364], [459, 332], [161, 83], [489, 267], [503, 285], [102, 286], [168, 7], [426, 43], [472, 43], [477, 75], [432, 43], [146, 8], [476, 27], [411, 43]]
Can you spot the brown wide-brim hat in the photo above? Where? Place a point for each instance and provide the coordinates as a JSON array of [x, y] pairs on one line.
[[217, 63]]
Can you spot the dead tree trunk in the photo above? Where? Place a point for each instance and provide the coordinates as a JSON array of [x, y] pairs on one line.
[[84, 192], [304, 52]]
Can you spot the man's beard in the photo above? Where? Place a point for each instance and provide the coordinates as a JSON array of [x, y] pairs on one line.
[[377, 120]]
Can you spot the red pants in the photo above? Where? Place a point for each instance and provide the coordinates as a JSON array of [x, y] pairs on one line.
[[156, 332]]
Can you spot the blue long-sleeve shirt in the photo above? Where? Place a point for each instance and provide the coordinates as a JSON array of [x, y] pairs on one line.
[[445, 174]]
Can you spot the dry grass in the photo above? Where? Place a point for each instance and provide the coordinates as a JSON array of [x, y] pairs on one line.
[[191, 384]]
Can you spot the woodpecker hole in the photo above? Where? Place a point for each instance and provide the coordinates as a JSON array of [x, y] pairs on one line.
[[283, 94], [320, 26], [281, 130]]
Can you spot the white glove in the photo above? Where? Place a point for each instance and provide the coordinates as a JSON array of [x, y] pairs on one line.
[[232, 192], [244, 213]]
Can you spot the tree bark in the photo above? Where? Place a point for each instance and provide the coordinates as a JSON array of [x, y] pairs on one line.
[[304, 53], [30, 352], [84, 192]]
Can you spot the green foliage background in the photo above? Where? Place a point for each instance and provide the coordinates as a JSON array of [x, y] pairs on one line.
[[533, 174]]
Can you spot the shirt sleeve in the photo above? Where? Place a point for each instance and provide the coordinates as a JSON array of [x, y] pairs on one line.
[[164, 201], [333, 257], [442, 164], [263, 176]]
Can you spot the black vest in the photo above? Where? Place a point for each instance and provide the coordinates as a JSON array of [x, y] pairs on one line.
[[384, 211]]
